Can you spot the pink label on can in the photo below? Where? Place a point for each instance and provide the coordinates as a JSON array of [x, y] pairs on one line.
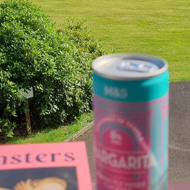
[[122, 144]]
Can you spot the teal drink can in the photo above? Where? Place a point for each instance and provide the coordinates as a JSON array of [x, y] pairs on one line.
[[130, 106]]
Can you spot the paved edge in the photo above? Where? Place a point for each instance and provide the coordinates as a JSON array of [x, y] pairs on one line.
[[80, 132]]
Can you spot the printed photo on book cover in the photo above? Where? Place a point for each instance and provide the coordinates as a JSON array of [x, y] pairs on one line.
[[64, 178]]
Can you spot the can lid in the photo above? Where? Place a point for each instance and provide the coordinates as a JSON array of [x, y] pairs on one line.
[[129, 66]]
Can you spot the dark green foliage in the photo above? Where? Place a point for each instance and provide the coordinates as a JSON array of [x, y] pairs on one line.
[[57, 64]]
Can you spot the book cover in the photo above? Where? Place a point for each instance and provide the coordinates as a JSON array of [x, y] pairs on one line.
[[48, 166]]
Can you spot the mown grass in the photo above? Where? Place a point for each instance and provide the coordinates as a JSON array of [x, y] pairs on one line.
[[159, 27]]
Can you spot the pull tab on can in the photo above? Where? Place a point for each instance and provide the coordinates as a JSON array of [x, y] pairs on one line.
[[137, 66]]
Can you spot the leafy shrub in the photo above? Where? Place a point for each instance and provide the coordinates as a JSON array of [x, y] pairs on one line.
[[10, 96], [56, 63]]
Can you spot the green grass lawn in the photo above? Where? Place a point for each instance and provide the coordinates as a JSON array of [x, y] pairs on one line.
[[159, 27]]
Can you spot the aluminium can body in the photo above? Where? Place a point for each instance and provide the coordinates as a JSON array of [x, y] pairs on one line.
[[131, 122]]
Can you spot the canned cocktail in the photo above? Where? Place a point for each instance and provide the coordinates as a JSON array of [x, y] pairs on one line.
[[131, 122]]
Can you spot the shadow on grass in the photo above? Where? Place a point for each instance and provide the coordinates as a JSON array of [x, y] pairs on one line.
[[58, 134]]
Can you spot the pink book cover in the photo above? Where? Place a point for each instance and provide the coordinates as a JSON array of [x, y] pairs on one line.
[[48, 166]]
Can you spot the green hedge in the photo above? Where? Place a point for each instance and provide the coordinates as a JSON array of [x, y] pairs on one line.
[[56, 63]]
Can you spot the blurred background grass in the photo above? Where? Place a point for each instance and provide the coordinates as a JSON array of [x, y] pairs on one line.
[[160, 28]]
